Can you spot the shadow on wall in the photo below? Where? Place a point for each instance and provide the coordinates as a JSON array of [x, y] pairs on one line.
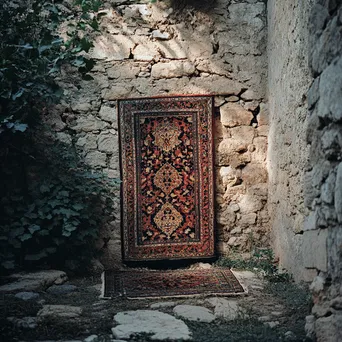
[[148, 50]]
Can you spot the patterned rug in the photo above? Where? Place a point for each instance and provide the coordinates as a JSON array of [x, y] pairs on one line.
[[135, 284], [167, 178]]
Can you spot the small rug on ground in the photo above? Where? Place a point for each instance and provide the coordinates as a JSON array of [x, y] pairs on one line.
[[140, 284]]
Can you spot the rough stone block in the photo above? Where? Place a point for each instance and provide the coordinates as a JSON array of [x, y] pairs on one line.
[[247, 219], [171, 49], [108, 143], [338, 193], [233, 114], [254, 174], [315, 249], [260, 152], [117, 92], [145, 52], [328, 329], [112, 47], [88, 123], [88, 142], [330, 102], [108, 114], [96, 159], [124, 71], [250, 204], [172, 69]]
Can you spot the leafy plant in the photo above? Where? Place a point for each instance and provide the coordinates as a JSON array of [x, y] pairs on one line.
[[55, 214], [32, 51], [262, 261], [51, 206]]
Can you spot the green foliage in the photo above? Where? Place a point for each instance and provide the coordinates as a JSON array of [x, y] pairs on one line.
[[262, 261], [55, 214], [32, 51], [51, 206]]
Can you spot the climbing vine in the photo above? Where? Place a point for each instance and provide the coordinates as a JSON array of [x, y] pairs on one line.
[[51, 206]]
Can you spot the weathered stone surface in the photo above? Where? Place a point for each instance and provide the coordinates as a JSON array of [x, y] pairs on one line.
[[61, 289], [172, 69], [260, 152], [162, 305], [124, 71], [214, 66], [57, 312], [108, 114], [328, 329], [315, 240], [88, 142], [310, 326], [171, 49], [160, 35], [250, 204], [23, 323], [91, 338], [248, 220], [117, 92], [88, 123], [145, 52], [194, 313], [35, 281], [112, 47], [81, 107], [108, 143], [338, 193], [254, 174], [233, 114], [224, 308], [27, 295], [161, 326], [96, 158]]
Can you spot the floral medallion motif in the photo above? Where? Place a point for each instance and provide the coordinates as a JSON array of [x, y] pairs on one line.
[[166, 135], [168, 219], [167, 179]]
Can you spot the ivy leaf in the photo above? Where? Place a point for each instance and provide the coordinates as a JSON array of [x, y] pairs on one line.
[[86, 44], [8, 265], [25, 237], [18, 94], [34, 228], [44, 189], [20, 127], [43, 48], [78, 206]]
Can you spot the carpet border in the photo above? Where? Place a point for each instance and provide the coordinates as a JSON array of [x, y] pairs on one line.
[[230, 295], [214, 223]]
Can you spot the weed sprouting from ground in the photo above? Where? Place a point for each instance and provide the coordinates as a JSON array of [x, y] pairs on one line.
[[261, 261]]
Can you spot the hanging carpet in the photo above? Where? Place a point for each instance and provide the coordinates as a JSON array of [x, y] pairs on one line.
[[135, 284], [167, 178]]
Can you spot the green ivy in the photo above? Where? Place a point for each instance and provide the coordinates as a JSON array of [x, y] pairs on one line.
[[32, 52], [51, 206]]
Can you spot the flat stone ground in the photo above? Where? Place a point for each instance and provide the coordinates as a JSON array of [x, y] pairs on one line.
[[272, 311]]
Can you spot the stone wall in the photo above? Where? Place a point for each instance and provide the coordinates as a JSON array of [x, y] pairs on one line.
[[159, 49], [305, 144], [323, 185], [289, 80]]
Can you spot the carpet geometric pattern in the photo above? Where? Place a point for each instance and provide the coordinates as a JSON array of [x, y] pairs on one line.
[[135, 284], [167, 178]]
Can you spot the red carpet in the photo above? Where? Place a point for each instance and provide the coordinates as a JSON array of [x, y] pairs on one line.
[[167, 178], [176, 283]]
